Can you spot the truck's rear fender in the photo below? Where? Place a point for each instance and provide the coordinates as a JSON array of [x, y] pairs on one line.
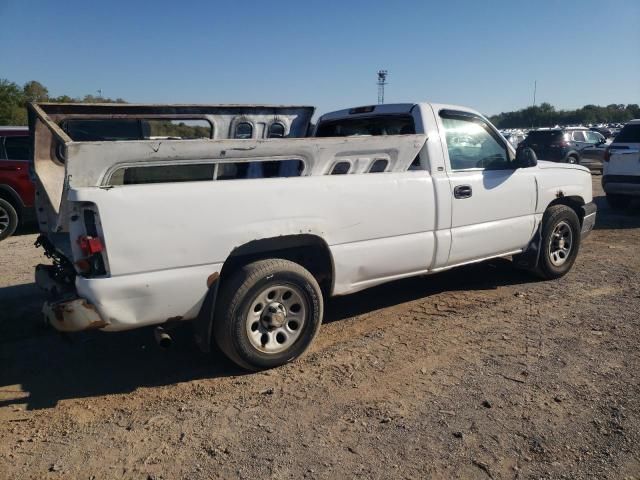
[[310, 251]]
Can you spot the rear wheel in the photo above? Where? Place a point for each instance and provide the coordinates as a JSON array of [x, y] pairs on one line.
[[572, 159], [560, 242], [8, 219], [618, 201], [268, 313]]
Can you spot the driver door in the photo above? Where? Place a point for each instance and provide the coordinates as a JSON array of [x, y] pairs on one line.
[[493, 202]]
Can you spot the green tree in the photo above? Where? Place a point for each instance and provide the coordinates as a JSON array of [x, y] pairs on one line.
[[12, 111], [35, 92]]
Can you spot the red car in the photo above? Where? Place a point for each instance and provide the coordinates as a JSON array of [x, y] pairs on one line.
[[16, 187]]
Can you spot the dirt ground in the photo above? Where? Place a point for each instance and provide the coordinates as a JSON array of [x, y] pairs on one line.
[[481, 372]]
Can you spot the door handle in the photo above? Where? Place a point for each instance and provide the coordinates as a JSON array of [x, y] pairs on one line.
[[462, 191]]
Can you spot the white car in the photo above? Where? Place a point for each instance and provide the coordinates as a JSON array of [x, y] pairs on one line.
[[148, 231], [621, 172]]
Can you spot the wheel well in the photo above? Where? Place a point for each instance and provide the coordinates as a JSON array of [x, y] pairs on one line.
[[575, 203], [8, 194], [310, 251]]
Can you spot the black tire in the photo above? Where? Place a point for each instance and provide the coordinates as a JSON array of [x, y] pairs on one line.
[[8, 219], [557, 216], [572, 159], [239, 293], [618, 202]]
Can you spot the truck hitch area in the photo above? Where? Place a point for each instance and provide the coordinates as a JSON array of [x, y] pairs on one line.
[[62, 272], [63, 310]]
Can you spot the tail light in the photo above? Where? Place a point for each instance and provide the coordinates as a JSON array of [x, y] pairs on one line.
[[607, 154], [90, 245]]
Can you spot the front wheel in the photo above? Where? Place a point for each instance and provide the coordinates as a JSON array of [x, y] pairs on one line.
[[572, 159], [267, 314], [560, 242]]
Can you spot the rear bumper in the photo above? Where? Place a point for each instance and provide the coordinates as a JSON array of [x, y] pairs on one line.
[[73, 315], [68, 313], [589, 219], [622, 184], [126, 302]]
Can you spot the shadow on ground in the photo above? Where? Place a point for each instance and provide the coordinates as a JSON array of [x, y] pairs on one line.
[[608, 218], [41, 367]]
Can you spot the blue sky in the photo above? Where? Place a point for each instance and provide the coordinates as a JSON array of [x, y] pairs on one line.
[[483, 54]]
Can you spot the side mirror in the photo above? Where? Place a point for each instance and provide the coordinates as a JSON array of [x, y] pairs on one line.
[[526, 157]]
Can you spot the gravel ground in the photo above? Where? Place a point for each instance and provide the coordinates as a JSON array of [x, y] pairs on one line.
[[481, 372]]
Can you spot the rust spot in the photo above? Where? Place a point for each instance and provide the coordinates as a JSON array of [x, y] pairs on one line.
[[560, 194], [174, 319], [89, 306], [58, 311], [97, 324], [211, 279]]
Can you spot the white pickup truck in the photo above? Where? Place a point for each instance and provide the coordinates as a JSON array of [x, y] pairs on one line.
[[248, 229]]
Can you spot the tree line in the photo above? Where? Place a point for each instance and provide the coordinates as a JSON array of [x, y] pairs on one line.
[[14, 98], [545, 115]]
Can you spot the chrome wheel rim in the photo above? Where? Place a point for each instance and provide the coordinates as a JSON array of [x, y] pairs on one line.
[[4, 220], [276, 318], [560, 244]]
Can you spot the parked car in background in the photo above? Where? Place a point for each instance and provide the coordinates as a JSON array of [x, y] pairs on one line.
[[606, 132], [567, 145], [514, 138], [621, 174], [16, 187]]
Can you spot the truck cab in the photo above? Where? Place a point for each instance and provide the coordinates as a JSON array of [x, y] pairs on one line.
[[492, 203]]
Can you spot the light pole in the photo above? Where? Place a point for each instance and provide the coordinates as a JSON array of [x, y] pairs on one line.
[[382, 81]]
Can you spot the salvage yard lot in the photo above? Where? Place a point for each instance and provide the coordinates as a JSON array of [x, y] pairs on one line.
[[480, 372]]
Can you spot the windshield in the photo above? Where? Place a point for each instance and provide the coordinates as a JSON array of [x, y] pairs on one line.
[[378, 125]]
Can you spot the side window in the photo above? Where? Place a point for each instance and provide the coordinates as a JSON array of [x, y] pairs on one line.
[[592, 137], [379, 166], [578, 137], [471, 143], [341, 168], [260, 169], [17, 148], [244, 130], [135, 175], [163, 174], [276, 130]]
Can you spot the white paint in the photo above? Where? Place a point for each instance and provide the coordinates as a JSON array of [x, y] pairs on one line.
[[164, 240]]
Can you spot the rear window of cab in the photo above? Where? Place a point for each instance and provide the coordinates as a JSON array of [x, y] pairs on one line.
[[373, 126]]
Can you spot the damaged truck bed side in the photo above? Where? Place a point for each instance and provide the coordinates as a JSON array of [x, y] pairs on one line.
[[247, 228]]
